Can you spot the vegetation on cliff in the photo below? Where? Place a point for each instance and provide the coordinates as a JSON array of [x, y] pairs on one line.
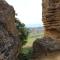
[[22, 31]]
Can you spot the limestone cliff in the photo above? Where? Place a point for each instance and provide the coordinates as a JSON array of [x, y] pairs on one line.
[[8, 32]]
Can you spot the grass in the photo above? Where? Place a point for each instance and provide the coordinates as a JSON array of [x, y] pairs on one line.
[[27, 49], [32, 37]]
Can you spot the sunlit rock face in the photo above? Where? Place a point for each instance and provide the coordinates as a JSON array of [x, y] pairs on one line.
[[48, 47], [8, 32], [51, 18]]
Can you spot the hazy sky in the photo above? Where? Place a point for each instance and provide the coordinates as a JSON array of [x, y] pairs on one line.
[[29, 11]]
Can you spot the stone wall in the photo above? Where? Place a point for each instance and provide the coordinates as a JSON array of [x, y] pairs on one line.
[[8, 32]]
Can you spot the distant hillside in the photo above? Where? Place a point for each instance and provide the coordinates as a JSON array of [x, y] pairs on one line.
[[33, 25], [36, 29]]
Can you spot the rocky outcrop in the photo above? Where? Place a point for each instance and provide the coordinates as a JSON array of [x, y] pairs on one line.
[[51, 18], [8, 32], [50, 43], [44, 47]]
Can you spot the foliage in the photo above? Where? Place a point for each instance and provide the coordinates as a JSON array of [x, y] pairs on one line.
[[22, 31], [26, 54]]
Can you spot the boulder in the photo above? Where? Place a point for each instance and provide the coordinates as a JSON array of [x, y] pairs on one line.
[[44, 46]]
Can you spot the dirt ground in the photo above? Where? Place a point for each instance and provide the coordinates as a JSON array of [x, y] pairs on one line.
[[50, 56]]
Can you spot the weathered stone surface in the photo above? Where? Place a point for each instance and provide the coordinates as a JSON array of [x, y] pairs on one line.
[[51, 18], [49, 45], [8, 32], [44, 46]]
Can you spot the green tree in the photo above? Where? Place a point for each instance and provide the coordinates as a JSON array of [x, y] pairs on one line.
[[22, 31]]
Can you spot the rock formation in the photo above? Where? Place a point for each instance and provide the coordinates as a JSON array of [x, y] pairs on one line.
[[8, 32], [50, 43], [51, 18]]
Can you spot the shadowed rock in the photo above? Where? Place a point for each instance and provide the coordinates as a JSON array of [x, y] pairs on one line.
[[8, 32], [44, 46]]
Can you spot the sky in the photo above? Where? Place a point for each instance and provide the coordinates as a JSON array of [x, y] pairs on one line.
[[29, 11]]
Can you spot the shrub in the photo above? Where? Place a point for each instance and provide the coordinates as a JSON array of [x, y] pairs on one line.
[[22, 31]]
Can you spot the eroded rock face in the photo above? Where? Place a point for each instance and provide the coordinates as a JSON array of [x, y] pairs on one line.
[[44, 47], [50, 43], [51, 18], [8, 32]]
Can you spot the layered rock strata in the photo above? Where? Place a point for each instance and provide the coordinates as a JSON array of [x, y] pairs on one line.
[[50, 43], [51, 18]]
